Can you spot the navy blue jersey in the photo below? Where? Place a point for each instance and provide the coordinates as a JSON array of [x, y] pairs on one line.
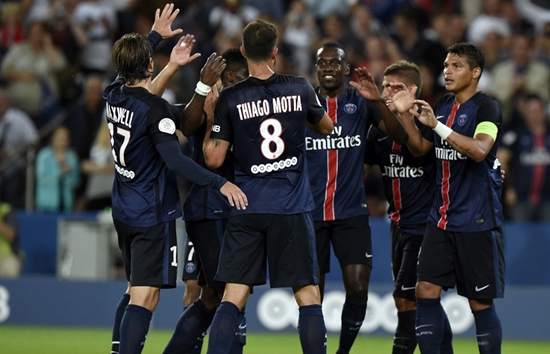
[[468, 196], [334, 161], [530, 164], [144, 190], [265, 120], [203, 202], [408, 180]]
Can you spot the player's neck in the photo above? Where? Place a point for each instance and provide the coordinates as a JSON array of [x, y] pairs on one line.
[[260, 70], [334, 93], [146, 84], [465, 94]]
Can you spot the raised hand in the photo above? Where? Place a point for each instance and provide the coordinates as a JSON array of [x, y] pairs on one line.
[[163, 21], [366, 85], [212, 69], [235, 195], [181, 53], [402, 99], [427, 117]]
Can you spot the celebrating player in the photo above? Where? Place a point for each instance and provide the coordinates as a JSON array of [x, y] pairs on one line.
[[463, 243], [335, 164], [147, 156], [264, 117]]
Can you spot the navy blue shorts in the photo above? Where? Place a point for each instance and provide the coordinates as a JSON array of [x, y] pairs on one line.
[[149, 254], [286, 242], [190, 262], [350, 239], [206, 237], [473, 261], [405, 247]]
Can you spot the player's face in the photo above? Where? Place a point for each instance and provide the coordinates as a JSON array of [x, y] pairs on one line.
[[458, 74], [331, 68]]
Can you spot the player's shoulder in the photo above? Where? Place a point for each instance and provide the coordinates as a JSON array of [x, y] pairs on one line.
[[481, 98]]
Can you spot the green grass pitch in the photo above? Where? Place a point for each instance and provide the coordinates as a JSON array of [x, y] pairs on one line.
[[60, 340]]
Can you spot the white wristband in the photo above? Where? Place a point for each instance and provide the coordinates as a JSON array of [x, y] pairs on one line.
[[202, 89], [442, 130]]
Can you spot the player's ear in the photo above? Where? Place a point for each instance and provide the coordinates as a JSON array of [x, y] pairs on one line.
[[476, 73], [346, 72], [242, 51], [274, 53]]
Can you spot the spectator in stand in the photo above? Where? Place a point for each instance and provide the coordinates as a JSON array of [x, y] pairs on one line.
[[299, 31], [30, 69], [11, 31], [17, 134], [519, 75], [542, 45], [493, 48], [69, 37], [379, 53], [228, 19], [57, 174], [414, 45], [525, 154], [83, 118], [99, 171], [99, 21], [364, 25], [536, 11], [11, 256], [490, 19]]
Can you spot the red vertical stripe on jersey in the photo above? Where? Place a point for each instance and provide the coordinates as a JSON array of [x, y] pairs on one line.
[[538, 172], [446, 170], [332, 166], [396, 189]]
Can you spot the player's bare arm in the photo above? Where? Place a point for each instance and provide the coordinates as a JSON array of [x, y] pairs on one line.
[[214, 150], [163, 21], [402, 102], [390, 124], [475, 148], [193, 113], [325, 125], [180, 56]]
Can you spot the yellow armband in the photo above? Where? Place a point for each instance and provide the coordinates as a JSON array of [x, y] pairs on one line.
[[488, 128]]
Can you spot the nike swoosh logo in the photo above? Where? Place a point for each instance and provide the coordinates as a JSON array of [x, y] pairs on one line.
[[407, 288], [482, 335], [478, 289], [426, 325], [381, 139], [368, 255], [439, 117], [242, 326]]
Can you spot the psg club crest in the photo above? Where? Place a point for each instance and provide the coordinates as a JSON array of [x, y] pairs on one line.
[[190, 267], [350, 108], [462, 119]]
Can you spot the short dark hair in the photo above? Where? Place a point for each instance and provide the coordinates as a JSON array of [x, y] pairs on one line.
[[410, 72], [337, 46], [259, 39], [130, 56], [234, 60], [473, 54]]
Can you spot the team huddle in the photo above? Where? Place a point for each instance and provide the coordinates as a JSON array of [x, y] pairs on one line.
[[277, 169]]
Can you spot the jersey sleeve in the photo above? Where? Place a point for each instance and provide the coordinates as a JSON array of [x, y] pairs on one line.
[[427, 132], [489, 111], [373, 115], [315, 111], [160, 123], [222, 128], [370, 157]]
